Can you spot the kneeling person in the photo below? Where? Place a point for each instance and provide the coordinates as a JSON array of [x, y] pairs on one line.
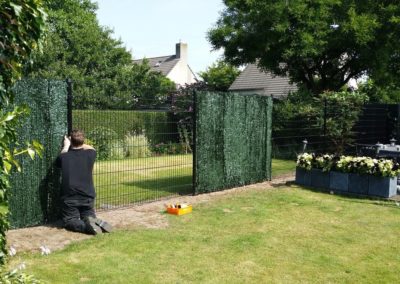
[[77, 193]]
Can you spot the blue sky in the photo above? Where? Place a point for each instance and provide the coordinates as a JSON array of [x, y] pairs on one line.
[[151, 28]]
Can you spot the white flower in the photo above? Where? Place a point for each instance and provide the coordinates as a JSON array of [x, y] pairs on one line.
[[44, 250], [12, 251], [21, 266]]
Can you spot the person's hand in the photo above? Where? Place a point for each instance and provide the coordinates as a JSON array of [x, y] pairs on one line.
[[67, 142]]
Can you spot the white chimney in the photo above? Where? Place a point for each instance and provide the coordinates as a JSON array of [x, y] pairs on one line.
[[181, 51]]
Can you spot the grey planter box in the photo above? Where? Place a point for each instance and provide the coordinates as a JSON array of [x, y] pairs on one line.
[[303, 177], [339, 181], [382, 186], [358, 183], [319, 178]]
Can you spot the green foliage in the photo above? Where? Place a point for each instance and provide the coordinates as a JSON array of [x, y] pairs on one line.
[[169, 148], [136, 146], [295, 118], [185, 138], [103, 139], [329, 117], [100, 67], [220, 76], [117, 149], [320, 44], [22, 25], [387, 94], [150, 89], [349, 164], [151, 123], [17, 277], [343, 109]]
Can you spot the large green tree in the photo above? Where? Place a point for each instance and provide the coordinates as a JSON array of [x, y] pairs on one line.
[[321, 43], [101, 68], [220, 75], [21, 27]]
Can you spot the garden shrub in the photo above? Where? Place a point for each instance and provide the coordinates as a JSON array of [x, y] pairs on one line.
[[117, 150], [185, 138], [120, 121], [343, 110], [103, 139], [169, 148], [326, 120], [294, 118], [158, 126], [136, 146]]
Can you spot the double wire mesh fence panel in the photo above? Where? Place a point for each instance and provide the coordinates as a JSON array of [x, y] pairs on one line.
[[143, 153], [331, 128]]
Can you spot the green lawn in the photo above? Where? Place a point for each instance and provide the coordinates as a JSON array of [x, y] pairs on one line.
[[127, 181], [284, 235], [282, 167]]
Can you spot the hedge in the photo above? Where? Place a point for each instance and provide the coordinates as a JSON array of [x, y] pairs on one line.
[[159, 127]]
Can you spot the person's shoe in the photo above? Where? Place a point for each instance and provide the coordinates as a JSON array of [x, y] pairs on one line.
[[91, 226], [105, 227]]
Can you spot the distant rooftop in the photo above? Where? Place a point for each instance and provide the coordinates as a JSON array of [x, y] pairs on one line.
[[253, 79], [163, 64]]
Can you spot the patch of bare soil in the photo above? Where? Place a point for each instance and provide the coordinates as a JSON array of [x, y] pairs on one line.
[[149, 215]]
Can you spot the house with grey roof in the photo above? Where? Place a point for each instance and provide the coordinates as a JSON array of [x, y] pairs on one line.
[[175, 66], [254, 81]]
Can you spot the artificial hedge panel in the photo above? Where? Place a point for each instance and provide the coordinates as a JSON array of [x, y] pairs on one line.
[[34, 194], [209, 145], [233, 140]]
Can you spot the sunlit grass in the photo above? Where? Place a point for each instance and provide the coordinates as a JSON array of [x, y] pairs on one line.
[[282, 167], [288, 235], [127, 181]]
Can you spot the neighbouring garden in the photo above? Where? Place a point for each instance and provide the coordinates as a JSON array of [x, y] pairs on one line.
[[136, 180], [287, 234]]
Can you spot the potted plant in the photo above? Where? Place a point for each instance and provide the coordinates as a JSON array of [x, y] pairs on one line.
[[320, 167], [303, 168], [361, 175], [359, 169], [383, 178], [339, 176]]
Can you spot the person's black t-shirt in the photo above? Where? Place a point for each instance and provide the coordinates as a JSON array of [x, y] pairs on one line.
[[77, 167]]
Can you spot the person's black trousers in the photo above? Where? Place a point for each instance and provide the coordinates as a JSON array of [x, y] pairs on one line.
[[74, 212]]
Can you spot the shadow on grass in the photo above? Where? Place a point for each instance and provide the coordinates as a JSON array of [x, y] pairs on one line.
[[350, 196], [181, 185]]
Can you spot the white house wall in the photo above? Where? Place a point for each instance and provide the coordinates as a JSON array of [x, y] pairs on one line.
[[181, 74]]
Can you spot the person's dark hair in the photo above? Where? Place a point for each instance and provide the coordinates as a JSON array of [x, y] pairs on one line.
[[77, 138]]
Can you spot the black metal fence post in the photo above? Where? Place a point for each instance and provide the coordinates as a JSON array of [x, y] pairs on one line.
[[325, 115], [69, 105], [194, 142]]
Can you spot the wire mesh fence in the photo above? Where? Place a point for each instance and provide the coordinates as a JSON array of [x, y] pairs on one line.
[[327, 127], [143, 153]]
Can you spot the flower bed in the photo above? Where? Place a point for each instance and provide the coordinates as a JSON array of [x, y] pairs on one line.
[[360, 175]]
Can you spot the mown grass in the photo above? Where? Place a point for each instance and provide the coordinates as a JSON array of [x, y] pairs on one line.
[[127, 181], [288, 235], [282, 167]]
